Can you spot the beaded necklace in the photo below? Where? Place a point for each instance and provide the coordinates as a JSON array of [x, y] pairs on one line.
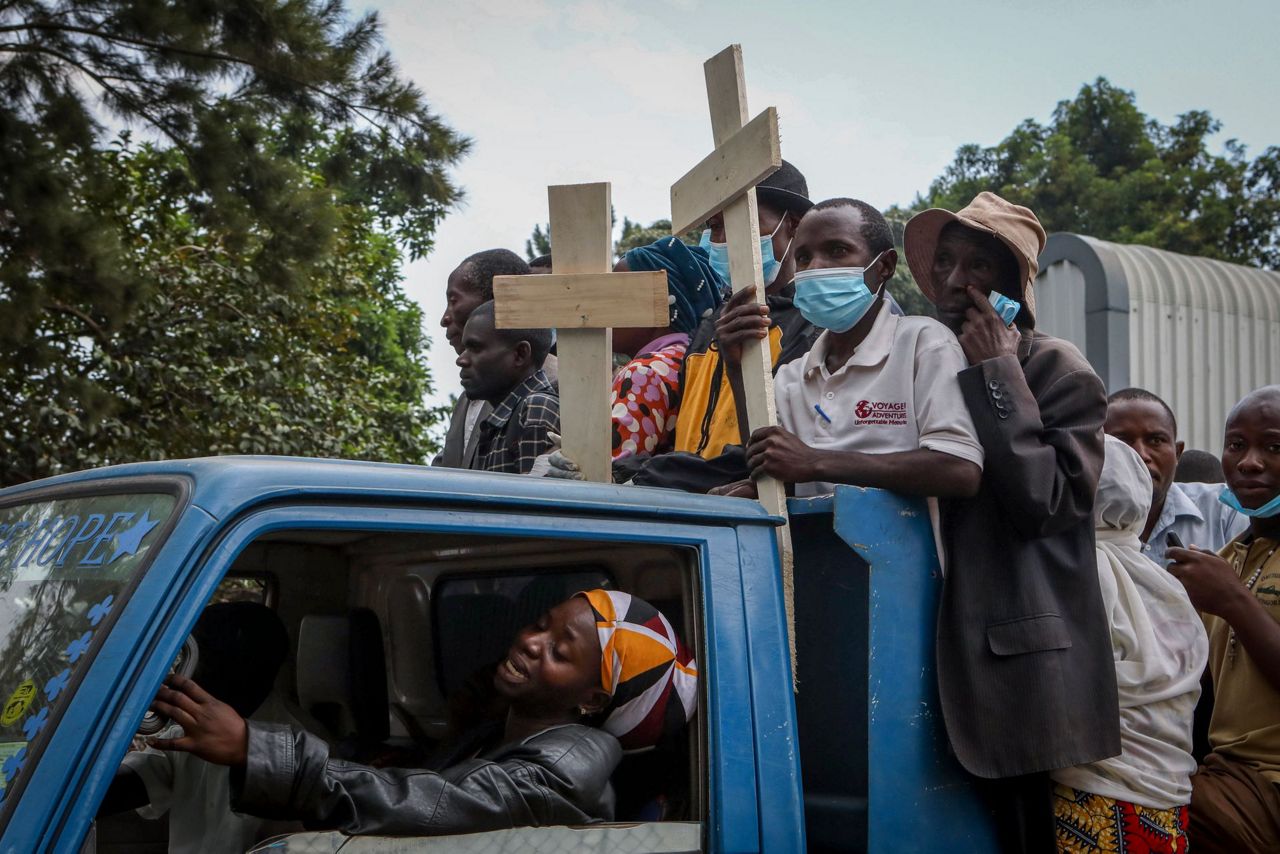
[[1253, 579]]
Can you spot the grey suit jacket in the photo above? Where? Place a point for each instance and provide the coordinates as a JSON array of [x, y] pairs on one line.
[[1025, 667]]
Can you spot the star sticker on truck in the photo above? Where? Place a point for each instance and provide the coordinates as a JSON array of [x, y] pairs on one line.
[[128, 542]]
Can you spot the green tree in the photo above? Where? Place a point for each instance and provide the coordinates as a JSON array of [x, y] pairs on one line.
[[239, 88], [1102, 167], [212, 360], [902, 287], [539, 243]]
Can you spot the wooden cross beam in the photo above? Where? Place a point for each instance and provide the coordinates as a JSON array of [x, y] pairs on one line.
[[745, 153], [583, 300]]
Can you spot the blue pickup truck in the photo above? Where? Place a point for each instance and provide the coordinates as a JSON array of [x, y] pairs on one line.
[[104, 573]]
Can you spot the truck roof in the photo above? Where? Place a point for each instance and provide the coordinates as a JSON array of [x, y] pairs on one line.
[[225, 486]]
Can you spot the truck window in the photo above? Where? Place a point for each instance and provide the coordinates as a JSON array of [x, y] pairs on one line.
[[257, 587], [65, 566], [476, 616], [388, 631]]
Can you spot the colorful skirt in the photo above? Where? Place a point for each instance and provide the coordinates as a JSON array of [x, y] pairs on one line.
[[1085, 823]]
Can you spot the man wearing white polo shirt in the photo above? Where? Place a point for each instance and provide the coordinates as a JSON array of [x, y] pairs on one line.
[[876, 401]]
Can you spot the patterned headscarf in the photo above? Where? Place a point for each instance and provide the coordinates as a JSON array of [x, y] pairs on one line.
[[652, 678], [694, 290]]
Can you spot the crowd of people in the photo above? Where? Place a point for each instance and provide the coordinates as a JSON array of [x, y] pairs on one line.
[[1102, 591], [1097, 581]]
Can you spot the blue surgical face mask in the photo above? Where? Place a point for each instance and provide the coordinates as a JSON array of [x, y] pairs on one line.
[[1007, 308], [718, 255], [834, 298], [1266, 511]]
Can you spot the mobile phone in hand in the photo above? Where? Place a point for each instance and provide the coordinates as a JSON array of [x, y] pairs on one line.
[[1173, 541]]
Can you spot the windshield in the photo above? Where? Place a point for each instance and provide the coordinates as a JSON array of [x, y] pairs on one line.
[[64, 565]]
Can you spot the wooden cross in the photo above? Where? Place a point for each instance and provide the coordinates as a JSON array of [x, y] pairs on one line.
[[745, 153], [583, 300]]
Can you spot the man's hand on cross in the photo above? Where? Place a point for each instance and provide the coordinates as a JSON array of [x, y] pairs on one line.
[[742, 320]]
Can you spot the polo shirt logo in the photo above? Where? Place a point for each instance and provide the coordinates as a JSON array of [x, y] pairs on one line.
[[891, 413]]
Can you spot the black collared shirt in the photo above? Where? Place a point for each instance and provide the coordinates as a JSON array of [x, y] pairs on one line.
[[515, 433]]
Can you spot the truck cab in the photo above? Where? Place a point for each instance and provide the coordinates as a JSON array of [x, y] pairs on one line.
[[396, 584]]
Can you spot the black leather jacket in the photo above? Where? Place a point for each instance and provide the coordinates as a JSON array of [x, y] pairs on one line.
[[558, 776]]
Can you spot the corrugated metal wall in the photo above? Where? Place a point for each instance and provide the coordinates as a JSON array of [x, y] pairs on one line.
[[1201, 333], [1060, 303]]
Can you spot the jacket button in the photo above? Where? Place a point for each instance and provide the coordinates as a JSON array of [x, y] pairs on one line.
[[1003, 414], [994, 384], [997, 394]]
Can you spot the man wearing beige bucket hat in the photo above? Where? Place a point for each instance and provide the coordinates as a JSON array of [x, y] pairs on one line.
[[1025, 670]]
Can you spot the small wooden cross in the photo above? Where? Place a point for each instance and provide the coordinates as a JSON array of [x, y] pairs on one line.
[[583, 299], [745, 153]]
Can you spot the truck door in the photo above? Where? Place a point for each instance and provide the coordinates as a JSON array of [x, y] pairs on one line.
[[424, 598]]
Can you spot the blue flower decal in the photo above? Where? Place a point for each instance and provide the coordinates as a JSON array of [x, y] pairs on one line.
[[79, 646], [97, 612], [13, 765], [33, 724], [54, 686]]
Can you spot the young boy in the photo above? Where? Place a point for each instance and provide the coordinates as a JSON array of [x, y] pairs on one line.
[[501, 367], [1235, 797], [875, 402]]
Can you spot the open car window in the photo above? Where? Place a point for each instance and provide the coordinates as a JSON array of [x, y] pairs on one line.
[[64, 566]]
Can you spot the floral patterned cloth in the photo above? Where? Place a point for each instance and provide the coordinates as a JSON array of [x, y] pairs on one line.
[[646, 398], [1092, 824]]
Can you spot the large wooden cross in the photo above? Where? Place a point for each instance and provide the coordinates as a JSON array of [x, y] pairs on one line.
[[745, 153], [583, 300]]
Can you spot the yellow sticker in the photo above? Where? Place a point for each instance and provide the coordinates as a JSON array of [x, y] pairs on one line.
[[17, 704]]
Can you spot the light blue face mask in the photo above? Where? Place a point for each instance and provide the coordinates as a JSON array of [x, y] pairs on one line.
[[834, 298], [1007, 308], [1266, 511], [718, 255]]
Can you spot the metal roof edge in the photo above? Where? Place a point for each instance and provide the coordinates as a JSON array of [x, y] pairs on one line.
[[1106, 286]]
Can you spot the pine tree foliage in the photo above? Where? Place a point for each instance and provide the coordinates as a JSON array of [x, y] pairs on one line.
[[239, 87], [229, 283]]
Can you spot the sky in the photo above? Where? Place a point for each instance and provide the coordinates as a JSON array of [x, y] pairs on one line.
[[873, 97]]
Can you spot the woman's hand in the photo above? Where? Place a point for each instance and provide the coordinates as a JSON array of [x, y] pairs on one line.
[[1210, 581], [211, 729], [741, 321], [984, 335]]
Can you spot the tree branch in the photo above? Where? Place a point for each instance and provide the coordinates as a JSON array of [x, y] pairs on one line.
[[88, 321], [118, 94], [222, 57]]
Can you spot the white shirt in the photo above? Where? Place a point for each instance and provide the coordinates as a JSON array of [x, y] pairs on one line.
[[898, 392], [470, 420], [1159, 645], [1193, 511]]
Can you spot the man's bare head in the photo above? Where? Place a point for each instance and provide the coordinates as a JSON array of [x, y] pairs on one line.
[[1251, 449]]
